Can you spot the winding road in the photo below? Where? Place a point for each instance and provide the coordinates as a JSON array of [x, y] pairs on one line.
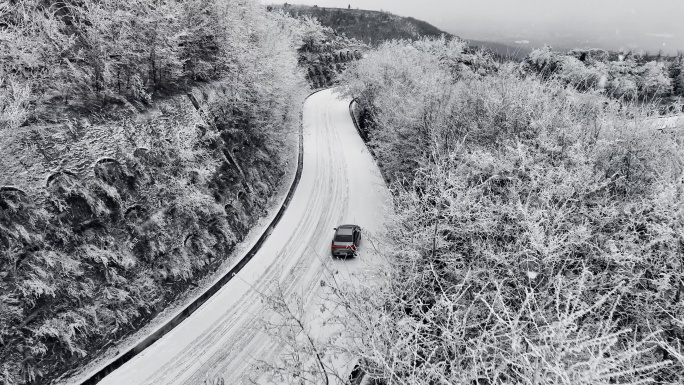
[[340, 183]]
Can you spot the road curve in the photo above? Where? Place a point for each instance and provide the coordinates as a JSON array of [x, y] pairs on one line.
[[340, 183]]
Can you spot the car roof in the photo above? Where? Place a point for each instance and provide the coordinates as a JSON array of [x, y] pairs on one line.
[[344, 230], [346, 226]]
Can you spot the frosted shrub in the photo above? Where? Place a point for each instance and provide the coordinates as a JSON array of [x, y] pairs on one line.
[[15, 98]]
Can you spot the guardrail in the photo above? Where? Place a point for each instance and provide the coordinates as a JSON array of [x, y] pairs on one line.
[[364, 136], [357, 374]]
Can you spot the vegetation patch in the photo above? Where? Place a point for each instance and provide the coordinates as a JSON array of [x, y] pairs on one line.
[[538, 233], [625, 76], [325, 53], [140, 143]]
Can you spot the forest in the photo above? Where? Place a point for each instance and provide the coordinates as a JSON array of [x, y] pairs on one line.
[[626, 75], [538, 229]]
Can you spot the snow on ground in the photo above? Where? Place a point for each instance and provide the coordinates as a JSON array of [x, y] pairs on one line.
[[340, 183]]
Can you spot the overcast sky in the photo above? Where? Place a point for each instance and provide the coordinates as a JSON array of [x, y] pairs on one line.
[[643, 24]]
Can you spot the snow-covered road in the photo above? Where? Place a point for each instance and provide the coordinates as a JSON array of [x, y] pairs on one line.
[[340, 183]]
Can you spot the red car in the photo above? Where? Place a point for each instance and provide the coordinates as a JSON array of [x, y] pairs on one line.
[[346, 240]]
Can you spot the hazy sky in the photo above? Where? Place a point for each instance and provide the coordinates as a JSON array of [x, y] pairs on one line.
[[643, 24]]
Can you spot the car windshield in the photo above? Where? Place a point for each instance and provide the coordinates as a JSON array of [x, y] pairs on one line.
[[343, 238]]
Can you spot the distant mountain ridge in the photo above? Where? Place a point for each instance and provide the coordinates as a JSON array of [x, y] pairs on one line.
[[370, 27], [375, 27]]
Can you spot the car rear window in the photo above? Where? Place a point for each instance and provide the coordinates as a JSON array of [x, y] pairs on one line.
[[343, 238]]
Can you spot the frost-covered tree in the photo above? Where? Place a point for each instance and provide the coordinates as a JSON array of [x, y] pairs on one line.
[[677, 75], [526, 222], [120, 211], [654, 79]]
